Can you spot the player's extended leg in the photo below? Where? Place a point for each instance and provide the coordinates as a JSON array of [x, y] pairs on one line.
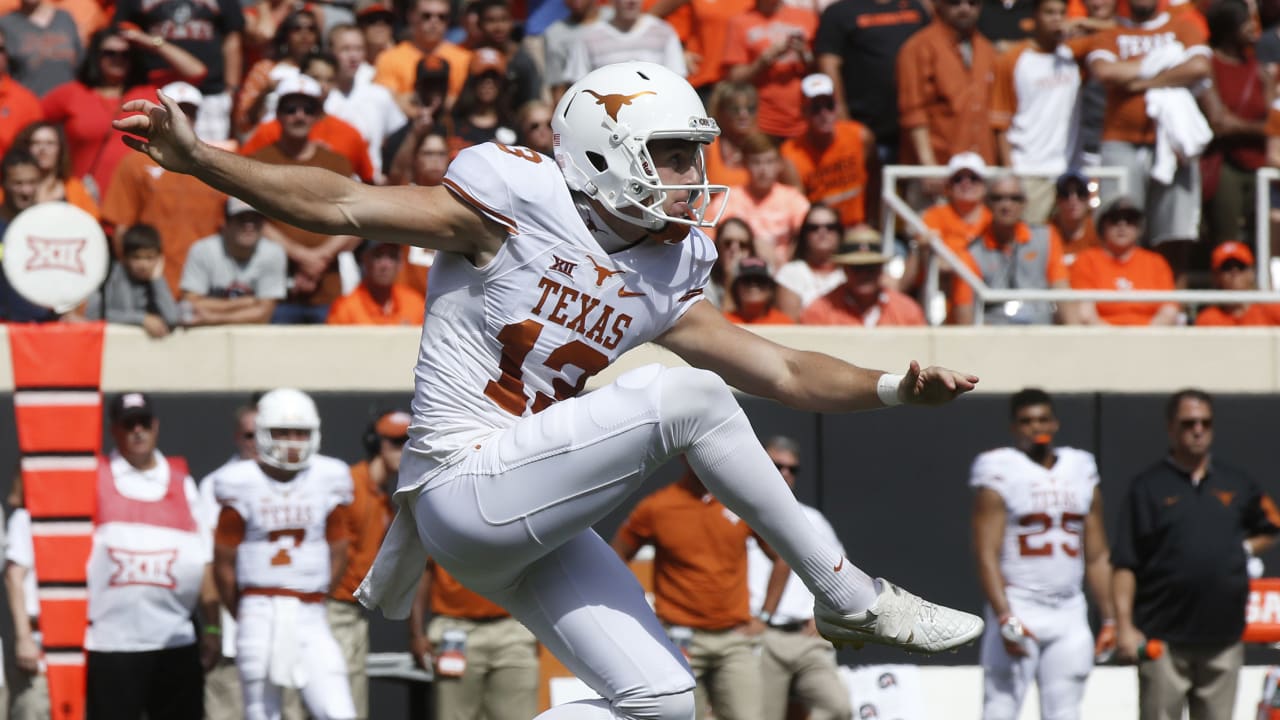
[[327, 692], [262, 699], [554, 474], [1004, 678], [587, 607]]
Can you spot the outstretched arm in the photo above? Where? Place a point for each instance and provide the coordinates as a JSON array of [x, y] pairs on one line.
[[802, 380], [313, 198]]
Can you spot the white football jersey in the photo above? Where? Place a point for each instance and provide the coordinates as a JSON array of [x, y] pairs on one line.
[[284, 543], [550, 310], [1043, 549]]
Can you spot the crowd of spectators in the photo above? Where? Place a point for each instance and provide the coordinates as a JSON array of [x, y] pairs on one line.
[[812, 98]]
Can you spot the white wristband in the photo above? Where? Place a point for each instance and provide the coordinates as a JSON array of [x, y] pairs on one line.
[[887, 389]]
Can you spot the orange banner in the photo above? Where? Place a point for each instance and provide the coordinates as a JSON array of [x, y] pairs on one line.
[[1262, 614], [56, 355]]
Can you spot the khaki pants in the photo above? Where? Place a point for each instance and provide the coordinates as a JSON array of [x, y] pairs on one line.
[[29, 697], [350, 627], [501, 678], [222, 697], [794, 663], [726, 666], [1041, 194], [1203, 679]]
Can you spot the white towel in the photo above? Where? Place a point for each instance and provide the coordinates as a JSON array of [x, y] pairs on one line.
[[1182, 133], [284, 664]]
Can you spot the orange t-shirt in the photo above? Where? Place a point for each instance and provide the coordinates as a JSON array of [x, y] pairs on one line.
[[19, 107], [449, 598], [359, 308], [331, 132], [181, 208], [1087, 237], [775, 219], [773, 317], [938, 91], [370, 515], [1125, 118], [748, 37], [710, 26], [894, 309], [1253, 315], [718, 173], [956, 232], [1055, 270], [835, 175], [397, 67], [1097, 269], [700, 558]]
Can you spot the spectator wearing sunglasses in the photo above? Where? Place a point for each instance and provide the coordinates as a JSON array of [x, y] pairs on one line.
[[1034, 110], [1119, 264], [835, 158], [373, 481], [1011, 255], [533, 126], [863, 299], [944, 87], [813, 273], [1233, 269], [1189, 525], [755, 296], [735, 241], [1073, 215], [313, 267]]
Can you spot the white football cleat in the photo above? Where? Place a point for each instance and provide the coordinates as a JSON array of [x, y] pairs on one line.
[[899, 619]]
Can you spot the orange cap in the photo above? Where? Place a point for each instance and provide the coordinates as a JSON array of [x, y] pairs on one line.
[[393, 425], [1231, 250]]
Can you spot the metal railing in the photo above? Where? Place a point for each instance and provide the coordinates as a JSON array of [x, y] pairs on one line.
[[896, 206]]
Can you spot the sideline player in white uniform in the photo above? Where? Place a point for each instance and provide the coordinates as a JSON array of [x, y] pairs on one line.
[[1037, 532], [280, 548], [547, 272]]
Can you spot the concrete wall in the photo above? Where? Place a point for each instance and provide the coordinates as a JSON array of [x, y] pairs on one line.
[[1125, 360]]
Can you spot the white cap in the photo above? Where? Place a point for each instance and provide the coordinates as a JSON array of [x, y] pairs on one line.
[[298, 84], [235, 206], [970, 161], [817, 85], [183, 93]]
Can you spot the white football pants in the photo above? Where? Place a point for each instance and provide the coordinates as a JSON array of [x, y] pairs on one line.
[[1059, 661], [513, 521], [301, 639]]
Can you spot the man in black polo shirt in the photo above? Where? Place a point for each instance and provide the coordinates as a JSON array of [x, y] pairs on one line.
[[1187, 529]]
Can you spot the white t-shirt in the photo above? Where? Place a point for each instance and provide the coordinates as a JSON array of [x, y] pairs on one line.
[[369, 108], [600, 43], [801, 279], [21, 551]]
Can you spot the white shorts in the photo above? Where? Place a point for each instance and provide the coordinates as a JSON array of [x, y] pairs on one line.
[[270, 634], [1059, 661]]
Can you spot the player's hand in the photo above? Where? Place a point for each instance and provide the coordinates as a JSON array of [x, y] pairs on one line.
[[933, 385], [1128, 640], [27, 655], [1015, 636], [1105, 646], [210, 650], [161, 131], [753, 627], [422, 651]]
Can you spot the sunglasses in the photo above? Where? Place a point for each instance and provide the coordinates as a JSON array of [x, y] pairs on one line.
[[1189, 423], [1127, 217], [822, 104], [831, 226], [965, 176], [247, 435], [137, 421], [288, 109], [397, 441], [1075, 192], [1010, 197], [442, 17], [957, 3], [1232, 266], [783, 467]]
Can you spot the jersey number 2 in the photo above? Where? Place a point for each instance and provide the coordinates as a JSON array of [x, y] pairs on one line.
[[517, 340], [282, 556], [1072, 523]]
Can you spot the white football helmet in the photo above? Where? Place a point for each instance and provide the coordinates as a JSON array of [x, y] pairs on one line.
[[287, 408], [601, 128]]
